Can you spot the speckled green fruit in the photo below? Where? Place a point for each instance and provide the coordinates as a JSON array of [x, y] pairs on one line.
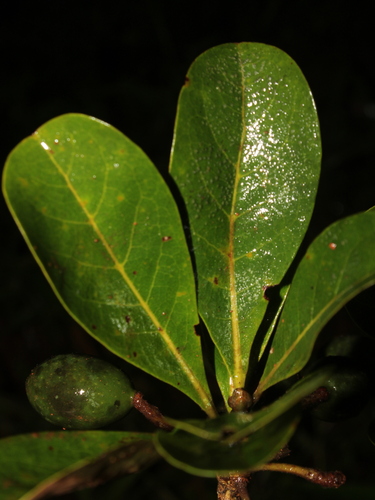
[[76, 391]]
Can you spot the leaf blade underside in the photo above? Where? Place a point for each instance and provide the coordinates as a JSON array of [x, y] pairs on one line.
[[338, 265], [106, 232]]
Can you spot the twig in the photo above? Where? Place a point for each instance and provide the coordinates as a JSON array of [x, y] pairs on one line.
[[151, 412], [331, 479], [233, 487]]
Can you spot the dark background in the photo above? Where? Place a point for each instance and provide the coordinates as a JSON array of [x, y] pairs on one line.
[[124, 62]]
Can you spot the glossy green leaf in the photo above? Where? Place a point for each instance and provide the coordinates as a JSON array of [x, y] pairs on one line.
[[34, 466], [246, 158], [105, 230], [232, 427], [207, 458], [339, 264]]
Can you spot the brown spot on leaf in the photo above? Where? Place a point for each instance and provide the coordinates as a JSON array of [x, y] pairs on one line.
[[332, 246], [166, 238], [128, 319], [216, 281]]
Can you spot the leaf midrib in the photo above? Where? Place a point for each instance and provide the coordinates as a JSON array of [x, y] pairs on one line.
[[239, 373]]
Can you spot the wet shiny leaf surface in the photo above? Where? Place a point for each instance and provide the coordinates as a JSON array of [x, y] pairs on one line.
[[339, 264], [246, 158], [105, 230]]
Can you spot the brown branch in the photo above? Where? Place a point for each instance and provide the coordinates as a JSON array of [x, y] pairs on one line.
[[331, 479], [151, 412], [233, 487], [320, 395]]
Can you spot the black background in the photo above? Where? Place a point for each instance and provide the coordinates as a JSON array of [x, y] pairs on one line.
[[124, 62]]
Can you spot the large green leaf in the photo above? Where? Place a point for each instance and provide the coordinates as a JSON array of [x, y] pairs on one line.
[[106, 232], [208, 458], [34, 466], [236, 441], [232, 427], [338, 265], [246, 158]]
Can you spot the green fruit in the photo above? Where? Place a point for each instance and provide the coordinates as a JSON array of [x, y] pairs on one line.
[[347, 389], [79, 392]]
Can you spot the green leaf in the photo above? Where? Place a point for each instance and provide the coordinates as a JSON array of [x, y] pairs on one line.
[[67, 461], [236, 441], [246, 158], [207, 458], [233, 427], [339, 264], [105, 230]]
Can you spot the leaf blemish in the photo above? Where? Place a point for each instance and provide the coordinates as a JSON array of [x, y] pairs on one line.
[[332, 246], [128, 319], [166, 238], [216, 281]]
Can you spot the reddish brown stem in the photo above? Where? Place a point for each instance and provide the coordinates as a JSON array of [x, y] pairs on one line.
[[331, 479], [151, 412], [320, 395]]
